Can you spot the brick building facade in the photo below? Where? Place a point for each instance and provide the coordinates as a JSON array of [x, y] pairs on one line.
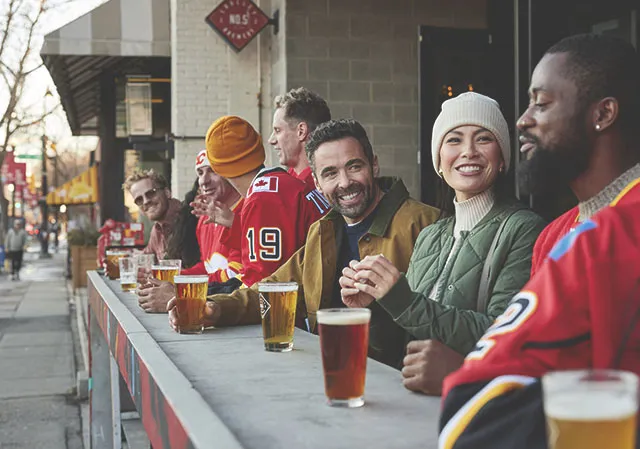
[[360, 55]]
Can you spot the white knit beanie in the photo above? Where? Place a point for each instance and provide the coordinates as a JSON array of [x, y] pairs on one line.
[[471, 108]]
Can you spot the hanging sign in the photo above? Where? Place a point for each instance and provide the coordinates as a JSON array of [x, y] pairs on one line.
[[238, 22]]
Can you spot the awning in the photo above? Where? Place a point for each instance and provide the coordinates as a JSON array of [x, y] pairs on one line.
[[83, 189], [114, 36]]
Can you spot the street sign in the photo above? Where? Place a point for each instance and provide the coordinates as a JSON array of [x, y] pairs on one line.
[[238, 22], [28, 156]]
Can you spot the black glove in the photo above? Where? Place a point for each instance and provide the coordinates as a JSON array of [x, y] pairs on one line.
[[224, 287]]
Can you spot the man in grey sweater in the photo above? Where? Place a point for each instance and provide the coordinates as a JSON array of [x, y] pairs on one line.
[[14, 243]]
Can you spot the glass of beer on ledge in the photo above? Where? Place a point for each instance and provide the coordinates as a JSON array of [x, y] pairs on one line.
[[128, 273], [344, 340], [591, 409], [191, 296], [113, 269], [278, 302], [166, 269]]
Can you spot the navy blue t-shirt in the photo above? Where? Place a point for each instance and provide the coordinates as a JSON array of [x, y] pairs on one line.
[[348, 252]]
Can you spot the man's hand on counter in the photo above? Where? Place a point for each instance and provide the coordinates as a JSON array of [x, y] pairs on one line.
[[211, 313], [426, 365], [154, 296]]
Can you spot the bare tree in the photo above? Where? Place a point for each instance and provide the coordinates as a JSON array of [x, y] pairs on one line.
[[20, 27]]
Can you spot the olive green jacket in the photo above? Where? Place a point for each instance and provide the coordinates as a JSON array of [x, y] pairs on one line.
[[393, 232], [452, 317]]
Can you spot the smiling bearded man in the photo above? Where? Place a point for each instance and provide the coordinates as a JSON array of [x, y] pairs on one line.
[[151, 193]]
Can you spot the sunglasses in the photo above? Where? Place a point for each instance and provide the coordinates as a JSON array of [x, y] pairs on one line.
[[139, 200]]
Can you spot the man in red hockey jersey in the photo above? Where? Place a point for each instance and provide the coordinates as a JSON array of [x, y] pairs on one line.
[[278, 208], [220, 259], [553, 158], [298, 113], [581, 308]]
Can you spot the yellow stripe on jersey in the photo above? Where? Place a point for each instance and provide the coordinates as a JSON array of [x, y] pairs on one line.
[[459, 422], [624, 191], [235, 266]]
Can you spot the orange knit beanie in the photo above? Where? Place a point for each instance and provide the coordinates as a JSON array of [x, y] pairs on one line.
[[234, 148]]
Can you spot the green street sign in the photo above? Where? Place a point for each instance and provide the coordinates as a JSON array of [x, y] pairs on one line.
[[28, 156]]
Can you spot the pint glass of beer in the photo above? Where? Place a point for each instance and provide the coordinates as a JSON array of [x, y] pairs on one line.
[[113, 269], [278, 309], [166, 269], [191, 296], [144, 262], [591, 409], [128, 273], [344, 340]]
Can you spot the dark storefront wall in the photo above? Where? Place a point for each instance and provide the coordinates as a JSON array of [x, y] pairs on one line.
[[498, 62]]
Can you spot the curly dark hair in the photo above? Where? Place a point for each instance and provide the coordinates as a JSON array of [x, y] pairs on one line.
[[303, 105], [182, 243], [336, 130]]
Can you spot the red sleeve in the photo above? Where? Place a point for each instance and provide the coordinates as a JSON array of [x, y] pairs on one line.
[[226, 247], [198, 268], [537, 250], [314, 206]]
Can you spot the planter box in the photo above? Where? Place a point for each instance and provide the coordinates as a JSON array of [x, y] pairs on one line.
[[83, 259]]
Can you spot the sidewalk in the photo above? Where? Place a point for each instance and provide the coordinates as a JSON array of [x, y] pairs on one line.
[[37, 362]]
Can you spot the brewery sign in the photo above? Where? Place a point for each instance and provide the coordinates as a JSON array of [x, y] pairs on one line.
[[238, 22]]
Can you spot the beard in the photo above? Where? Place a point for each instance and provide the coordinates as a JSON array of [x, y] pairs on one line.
[[158, 209], [356, 210], [551, 168]]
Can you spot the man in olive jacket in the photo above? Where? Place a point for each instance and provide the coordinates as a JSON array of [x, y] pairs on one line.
[[371, 215]]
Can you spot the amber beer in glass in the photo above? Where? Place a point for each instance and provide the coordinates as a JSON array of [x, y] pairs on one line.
[[191, 296], [113, 269], [166, 269], [344, 340], [591, 409], [278, 302]]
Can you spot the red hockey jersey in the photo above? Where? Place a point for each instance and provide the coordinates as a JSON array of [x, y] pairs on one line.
[[305, 176], [580, 310], [551, 234], [220, 256], [275, 217]]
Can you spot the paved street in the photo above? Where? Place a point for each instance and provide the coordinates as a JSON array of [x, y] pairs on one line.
[[37, 364]]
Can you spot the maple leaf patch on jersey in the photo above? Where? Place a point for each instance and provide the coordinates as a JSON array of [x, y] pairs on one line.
[[265, 184]]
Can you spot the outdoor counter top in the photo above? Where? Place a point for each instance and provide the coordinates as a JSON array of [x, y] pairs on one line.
[[221, 389]]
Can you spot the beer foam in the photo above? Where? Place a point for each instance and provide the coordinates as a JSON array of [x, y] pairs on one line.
[[190, 279], [590, 405], [162, 267], [346, 318], [268, 287]]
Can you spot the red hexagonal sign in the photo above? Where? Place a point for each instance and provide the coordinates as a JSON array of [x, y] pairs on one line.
[[237, 21]]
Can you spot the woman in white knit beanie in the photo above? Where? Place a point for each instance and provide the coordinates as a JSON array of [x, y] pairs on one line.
[[465, 268]]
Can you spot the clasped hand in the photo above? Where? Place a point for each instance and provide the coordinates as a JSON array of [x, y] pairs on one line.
[[367, 280]]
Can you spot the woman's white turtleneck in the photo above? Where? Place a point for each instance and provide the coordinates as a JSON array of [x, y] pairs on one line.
[[468, 213]]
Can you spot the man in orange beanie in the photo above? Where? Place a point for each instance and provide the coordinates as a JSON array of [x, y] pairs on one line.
[[278, 208]]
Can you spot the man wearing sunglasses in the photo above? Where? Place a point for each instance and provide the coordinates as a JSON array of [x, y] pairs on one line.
[[151, 193]]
